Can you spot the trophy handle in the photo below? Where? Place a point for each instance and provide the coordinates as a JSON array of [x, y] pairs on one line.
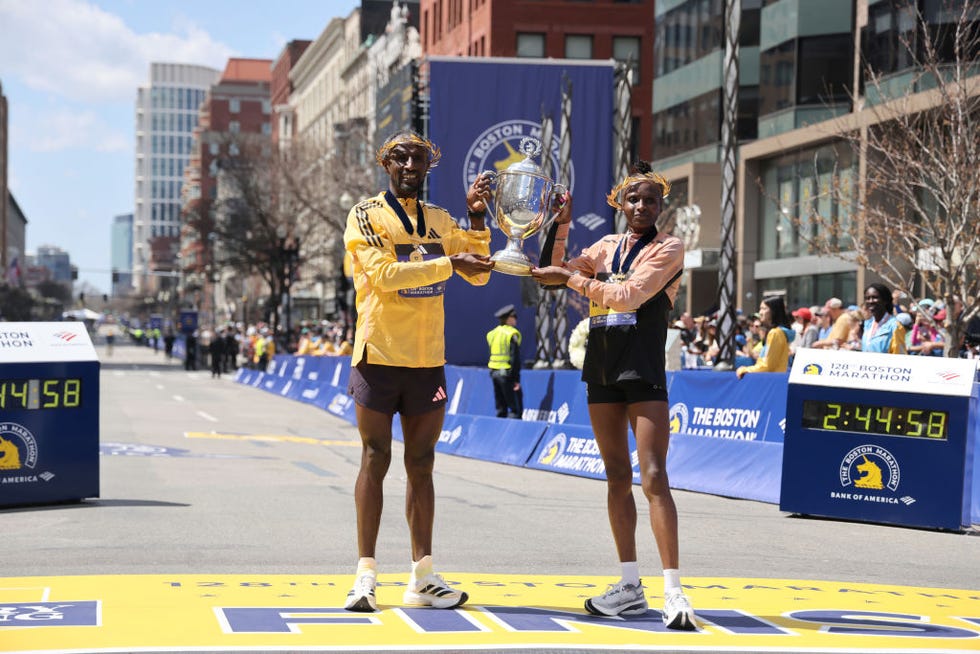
[[492, 210], [557, 191]]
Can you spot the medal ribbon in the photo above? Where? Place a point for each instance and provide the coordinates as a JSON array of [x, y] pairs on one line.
[[635, 250], [400, 212]]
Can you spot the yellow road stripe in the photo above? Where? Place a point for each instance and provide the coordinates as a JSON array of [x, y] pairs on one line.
[[268, 437]]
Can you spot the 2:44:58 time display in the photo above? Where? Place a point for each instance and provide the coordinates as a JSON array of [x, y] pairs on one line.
[[31, 394], [875, 419]]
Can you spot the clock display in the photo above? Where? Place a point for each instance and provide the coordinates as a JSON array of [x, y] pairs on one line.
[[875, 419], [40, 394]]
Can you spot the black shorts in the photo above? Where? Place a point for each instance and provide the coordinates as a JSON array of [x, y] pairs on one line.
[[628, 391], [395, 389]]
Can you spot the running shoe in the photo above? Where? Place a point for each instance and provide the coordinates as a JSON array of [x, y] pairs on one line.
[[432, 590], [678, 613], [361, 596], [619, 599]]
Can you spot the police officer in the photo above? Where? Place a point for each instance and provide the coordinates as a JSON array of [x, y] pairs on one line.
[[505, 364]]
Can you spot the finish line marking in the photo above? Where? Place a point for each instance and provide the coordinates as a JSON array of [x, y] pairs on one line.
[[222, 612]]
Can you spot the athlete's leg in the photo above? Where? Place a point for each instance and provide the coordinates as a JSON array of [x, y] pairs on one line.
[[609, 424]]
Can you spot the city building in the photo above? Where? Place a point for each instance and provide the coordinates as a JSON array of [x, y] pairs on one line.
[[4, 148], [15, 235], [801, 78], [121, 254], [166, 115], [559, 29], [237, 108], [284, 118], [57, 262]]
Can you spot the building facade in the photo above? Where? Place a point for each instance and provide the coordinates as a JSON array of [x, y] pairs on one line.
[[559, 29], [121, 254], [4, 192], [284, 118], [801, 79], [166, 115], [236, 109]]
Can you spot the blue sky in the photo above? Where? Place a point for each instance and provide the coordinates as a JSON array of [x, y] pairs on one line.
[[70, 70]]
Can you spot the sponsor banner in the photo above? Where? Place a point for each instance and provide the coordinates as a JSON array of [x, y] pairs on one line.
[[555, 396], [39, 342], [719, 405], [748, 470], [226, 612], [572, 450], [899, 374], [479, 131], [501, 440]]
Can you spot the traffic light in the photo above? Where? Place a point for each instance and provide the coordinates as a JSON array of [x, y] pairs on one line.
[[81, 298], [105, 298], [115, 276]]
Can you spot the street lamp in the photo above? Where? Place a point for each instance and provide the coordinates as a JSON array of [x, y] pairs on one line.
[[289, 249]]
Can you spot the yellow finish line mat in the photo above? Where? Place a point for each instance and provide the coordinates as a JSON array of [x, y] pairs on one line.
[[174, 613]]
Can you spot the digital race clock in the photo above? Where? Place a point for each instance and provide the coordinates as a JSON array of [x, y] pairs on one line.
[[58, 393], [875, 419], [882, 438]]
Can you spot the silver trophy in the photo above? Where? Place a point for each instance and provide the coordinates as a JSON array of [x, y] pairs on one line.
[[521, 206]]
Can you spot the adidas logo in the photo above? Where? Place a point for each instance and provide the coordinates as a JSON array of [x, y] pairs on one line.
[[440, 395]]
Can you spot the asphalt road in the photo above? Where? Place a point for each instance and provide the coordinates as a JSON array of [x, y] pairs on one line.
[[225, 502]]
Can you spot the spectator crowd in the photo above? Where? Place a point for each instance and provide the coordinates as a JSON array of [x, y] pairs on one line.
[[921, 331]]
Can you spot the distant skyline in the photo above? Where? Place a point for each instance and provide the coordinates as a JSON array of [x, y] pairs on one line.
[[70, 70]]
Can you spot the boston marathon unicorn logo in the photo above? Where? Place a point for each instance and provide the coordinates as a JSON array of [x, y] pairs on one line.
[[18, 447], [9, 455], [870, 467], [872, 475], [498, 146]]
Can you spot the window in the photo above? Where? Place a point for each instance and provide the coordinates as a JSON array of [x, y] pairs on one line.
[[530, 45], [234, 127], [801, 191], [824, 69], [627, 48], [578, 46], [267, 107], [234, 105]]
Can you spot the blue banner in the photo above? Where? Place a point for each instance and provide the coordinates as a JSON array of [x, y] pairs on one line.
[[719, 405], [480, 111]]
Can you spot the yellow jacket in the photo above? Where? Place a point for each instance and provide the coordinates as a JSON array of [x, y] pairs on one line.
[[400, 318]]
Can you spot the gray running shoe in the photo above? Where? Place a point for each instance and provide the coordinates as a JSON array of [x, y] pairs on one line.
[[619, 599], [361, 596], [678, 613], [432, 590]]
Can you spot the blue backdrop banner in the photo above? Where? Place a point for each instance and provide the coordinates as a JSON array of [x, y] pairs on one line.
[[480, 111]]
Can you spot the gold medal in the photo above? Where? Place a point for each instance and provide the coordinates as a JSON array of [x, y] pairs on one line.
[[617, 278], [416, 254]]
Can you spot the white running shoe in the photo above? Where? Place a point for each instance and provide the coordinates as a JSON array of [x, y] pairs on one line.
[[619, 599], [678, 613], [432, 590], [361, 596]]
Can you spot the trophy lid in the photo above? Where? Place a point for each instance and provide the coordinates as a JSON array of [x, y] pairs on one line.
[[529, 147]]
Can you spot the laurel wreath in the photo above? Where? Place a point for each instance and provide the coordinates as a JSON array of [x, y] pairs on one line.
[[577, 341]]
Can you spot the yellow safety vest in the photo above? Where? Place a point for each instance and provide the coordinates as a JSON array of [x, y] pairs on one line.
[[499, 339]]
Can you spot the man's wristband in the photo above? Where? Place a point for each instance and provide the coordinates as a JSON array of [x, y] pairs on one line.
[[476, 214]]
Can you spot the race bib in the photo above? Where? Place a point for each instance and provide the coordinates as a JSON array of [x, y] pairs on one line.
[[421, 252], [600, 316]]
